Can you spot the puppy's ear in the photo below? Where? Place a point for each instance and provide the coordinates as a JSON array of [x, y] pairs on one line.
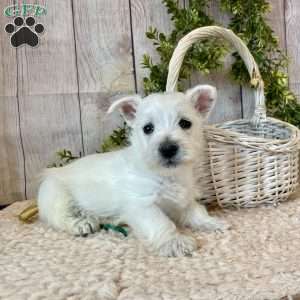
[[127, 106], [203, 97]]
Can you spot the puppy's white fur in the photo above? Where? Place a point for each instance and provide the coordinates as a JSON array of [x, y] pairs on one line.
[[137, 185]]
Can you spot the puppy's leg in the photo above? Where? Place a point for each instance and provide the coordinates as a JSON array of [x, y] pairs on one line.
[[57, 208], [152, 226], [197, 217]]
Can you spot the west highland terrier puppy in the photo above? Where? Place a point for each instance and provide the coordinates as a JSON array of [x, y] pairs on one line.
[[149, 185]]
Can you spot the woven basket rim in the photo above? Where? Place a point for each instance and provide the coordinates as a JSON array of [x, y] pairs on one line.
[[229, 136]]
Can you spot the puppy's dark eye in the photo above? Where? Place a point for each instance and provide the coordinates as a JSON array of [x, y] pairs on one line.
[[148, 128], [185, 124]]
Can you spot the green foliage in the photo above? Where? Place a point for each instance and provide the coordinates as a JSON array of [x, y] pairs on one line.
[[116, 140], [64, 157], [248, 21], [202, 57]]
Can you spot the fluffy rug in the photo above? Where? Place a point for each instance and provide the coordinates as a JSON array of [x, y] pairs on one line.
[[258, 258]]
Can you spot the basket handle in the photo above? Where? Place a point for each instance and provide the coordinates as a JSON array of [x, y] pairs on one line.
[[212, 32]]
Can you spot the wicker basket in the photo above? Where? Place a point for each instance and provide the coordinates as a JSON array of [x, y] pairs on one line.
[[249, 162]]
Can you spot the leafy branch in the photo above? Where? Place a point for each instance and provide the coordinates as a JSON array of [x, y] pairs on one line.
[[202, 57], [249, 22], [64, 157], [116, 140]]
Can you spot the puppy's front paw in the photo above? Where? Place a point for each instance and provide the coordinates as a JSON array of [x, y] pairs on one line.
[[84, 226], [210, 224], [180, 245]]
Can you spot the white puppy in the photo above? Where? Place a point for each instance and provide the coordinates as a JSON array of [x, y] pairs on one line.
[[149, 185]]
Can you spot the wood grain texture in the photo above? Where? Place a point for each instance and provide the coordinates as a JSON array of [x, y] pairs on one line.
[[276, 19], [48, 93], [146, 13], [8, 61], [12, 181], [105, 63], [228, 106], [12, 178], [103, 42], [49, 124], [97, 125], [50, 68], [292, 16]]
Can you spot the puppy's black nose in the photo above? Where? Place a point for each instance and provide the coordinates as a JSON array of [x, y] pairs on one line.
[[168, 149]]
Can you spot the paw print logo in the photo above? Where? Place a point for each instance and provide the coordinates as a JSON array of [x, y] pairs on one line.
[[24, 32]]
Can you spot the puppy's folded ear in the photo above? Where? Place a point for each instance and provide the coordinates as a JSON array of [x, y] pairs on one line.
[[127, 106], [203, 98]]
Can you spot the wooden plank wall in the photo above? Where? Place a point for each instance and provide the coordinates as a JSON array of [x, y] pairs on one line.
[[55, 96]]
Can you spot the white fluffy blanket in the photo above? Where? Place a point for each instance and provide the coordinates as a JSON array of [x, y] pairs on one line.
[[258, 258]]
